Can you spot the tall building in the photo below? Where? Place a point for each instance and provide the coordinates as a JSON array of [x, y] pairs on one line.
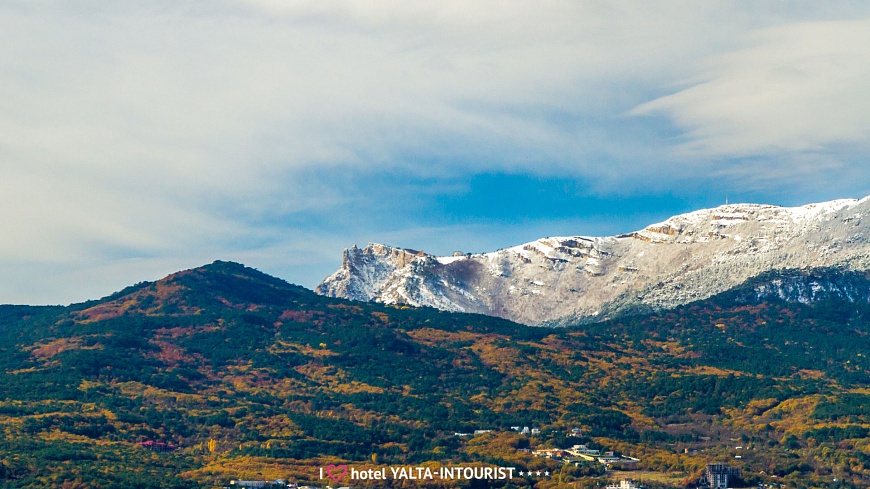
[[718, 474]]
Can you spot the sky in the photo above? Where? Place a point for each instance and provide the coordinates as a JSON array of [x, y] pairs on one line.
[[142, 138]]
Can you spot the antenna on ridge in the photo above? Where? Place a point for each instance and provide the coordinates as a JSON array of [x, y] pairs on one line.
[[726, 199]]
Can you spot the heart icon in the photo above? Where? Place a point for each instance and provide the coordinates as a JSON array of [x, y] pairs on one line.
[[336, 472]]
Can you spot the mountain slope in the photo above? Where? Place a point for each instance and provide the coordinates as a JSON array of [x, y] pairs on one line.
[[564, 280], [284, 381]]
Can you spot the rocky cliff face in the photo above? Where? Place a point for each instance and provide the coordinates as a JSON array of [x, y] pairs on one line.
[[562, 280]]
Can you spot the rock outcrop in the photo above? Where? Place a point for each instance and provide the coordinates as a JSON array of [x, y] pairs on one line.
[[561, 280]]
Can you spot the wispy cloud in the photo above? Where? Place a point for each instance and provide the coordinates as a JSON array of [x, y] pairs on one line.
[[177, 132], [790, 89]]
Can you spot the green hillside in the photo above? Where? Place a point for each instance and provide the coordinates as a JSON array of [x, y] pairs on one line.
[[251, 377]]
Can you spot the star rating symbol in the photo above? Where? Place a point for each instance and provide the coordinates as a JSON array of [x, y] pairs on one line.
[[536, 474]]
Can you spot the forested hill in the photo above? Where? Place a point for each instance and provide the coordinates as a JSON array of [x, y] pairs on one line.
[[247, 376]]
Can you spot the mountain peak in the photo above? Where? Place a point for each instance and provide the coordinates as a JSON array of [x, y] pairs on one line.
[[576, 278], [189, 291]]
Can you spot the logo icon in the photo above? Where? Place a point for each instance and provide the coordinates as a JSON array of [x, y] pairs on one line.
[[336, 472]]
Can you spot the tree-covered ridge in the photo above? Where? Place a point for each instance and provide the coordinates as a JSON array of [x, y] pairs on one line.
[[278, 381]]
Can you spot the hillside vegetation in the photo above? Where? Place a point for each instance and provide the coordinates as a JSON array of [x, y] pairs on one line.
[[251, 377]]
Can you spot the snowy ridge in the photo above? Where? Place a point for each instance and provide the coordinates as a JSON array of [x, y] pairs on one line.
[[574, 278]]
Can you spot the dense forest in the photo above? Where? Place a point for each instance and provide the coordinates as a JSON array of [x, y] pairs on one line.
[[241, 375]]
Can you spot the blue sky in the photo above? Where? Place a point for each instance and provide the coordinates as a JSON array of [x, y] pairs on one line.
[[141, 138]]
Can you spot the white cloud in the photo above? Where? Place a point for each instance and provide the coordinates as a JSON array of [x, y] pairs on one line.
[[176, 132], [792, 89]]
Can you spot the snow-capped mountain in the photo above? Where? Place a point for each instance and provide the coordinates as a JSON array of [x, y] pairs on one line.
[[577, 278]]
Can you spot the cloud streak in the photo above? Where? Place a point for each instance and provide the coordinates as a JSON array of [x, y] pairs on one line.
[[180, 132], [794, 88]]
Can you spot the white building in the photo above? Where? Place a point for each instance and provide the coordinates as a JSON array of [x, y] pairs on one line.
[[624, 484]]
